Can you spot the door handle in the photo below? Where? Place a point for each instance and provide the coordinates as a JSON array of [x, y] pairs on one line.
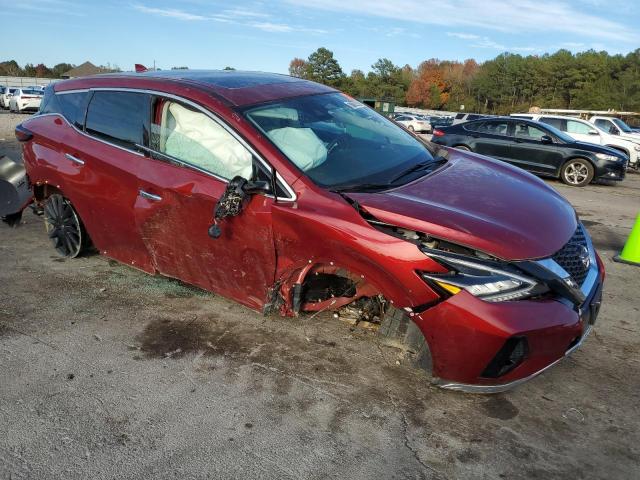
[[76, 160], [149, 196]]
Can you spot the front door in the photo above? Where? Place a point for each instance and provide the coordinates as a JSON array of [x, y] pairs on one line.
[[191, 158], [529, 152]]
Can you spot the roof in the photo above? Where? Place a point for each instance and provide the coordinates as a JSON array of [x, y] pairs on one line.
[[237, 88], [87, 68]]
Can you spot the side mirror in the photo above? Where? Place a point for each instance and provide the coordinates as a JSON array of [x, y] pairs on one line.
[[593, 132], [614, 131], [546, 139], [234, 199]]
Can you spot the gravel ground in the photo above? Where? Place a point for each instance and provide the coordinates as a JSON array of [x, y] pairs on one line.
[[109, 373]]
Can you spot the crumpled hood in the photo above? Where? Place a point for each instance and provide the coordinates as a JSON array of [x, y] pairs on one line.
[[480, 203]]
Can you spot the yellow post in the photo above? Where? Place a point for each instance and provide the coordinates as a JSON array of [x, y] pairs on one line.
[[631, 251]]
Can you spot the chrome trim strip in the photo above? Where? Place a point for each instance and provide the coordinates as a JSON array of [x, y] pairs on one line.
[[149, 196], [498, 388], [68, 156]]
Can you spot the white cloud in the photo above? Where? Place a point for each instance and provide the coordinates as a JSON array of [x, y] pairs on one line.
[[169, 12], [463, 36], [512, 16], [272, 27]]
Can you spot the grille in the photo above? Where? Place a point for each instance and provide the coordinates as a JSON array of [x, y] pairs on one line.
[[570, 257]]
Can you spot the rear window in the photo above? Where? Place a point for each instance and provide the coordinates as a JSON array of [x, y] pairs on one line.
[[118, 117], [69, 105]]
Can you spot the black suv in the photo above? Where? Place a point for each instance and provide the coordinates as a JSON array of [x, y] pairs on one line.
[[536, 147]]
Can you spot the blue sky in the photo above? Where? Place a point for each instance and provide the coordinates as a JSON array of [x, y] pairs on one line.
[[260, 35]]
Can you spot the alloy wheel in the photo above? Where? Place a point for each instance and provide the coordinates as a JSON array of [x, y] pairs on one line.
[[576, 173], [63, 226]]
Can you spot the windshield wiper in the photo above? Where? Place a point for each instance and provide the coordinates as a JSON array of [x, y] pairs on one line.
[[360, 187], [428, 166]]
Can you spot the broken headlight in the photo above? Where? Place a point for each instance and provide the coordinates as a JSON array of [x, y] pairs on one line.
[[489, 280]]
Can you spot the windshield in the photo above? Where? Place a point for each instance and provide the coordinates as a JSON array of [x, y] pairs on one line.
[[340, 143], [622, 126]]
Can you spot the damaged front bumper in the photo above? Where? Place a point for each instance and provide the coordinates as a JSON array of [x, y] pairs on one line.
[[15, 191]]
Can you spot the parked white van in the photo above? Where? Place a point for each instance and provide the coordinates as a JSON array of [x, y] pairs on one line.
[[585, 131]]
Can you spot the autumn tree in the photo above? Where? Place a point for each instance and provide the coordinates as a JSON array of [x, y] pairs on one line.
[[298, 68]]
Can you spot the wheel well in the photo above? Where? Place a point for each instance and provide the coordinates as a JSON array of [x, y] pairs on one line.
[[43, 191]]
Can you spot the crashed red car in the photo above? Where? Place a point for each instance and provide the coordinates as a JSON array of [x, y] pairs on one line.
[[287, 195]]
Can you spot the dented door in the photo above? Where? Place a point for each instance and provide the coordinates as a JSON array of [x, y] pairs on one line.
[[174, 211]]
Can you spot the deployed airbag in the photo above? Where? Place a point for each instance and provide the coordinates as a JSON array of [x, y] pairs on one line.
[[301, 145], [199, 140]]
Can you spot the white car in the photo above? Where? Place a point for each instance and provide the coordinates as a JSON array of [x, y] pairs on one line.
[[585, 131], [5, 95], [615, 126], [25, 99], [413, 123]]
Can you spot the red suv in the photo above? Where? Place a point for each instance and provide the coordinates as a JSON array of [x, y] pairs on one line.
[[287, 195]]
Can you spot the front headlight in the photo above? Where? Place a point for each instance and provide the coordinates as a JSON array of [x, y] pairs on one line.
[[486, 279], [604, 156]]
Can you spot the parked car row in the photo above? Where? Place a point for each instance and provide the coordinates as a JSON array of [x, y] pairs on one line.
[[598, 130], [421, 123], [21, 99], [538, 147]]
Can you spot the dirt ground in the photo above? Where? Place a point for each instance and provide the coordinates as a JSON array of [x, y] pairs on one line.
[[108, 373]]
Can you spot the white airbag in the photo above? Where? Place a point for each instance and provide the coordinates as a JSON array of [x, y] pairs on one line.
[[202, 142], [301, 145]]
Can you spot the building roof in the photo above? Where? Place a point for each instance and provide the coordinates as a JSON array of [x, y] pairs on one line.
[[87, 68]]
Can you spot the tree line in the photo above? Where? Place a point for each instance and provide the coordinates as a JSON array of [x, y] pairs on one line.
[[505, 84]]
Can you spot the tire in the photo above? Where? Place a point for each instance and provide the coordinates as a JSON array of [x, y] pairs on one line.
[[399, 331], [463, 148], [410, 127], [577, 172], [64, 227]]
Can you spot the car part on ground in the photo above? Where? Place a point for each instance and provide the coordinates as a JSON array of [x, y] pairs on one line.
[[15, 192], [337, 209]]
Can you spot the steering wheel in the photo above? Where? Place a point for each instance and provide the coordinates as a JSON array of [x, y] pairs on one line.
[[336, 141]]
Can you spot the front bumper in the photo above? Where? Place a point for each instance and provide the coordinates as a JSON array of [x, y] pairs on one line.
[[465, 334]]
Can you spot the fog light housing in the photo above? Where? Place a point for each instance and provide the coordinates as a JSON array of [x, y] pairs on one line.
[[512, 354]]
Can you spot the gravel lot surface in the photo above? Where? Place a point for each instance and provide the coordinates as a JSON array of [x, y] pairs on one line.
[[109, 373]]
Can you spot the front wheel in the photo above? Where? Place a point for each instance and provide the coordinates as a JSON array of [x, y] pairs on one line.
[[410, 127], [64, 227], [577, 172]]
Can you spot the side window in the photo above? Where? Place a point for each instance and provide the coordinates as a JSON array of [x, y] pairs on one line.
[[459, 116], [118, 117], [69, 105], [528, 132], [189, 135], [606, 125], [578, 127], [559, 123], [495, 128], [474, 126]]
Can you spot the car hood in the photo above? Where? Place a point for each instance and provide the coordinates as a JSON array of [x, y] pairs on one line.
[[595, 148], [480, 203]]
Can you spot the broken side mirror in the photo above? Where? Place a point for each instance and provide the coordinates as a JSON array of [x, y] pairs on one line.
[[234, 200]]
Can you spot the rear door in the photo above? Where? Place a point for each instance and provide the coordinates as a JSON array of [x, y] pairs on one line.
[[490, 138], [108, 158], [529, 152], [192, 157]]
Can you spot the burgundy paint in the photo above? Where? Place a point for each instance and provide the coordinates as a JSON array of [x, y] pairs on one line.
[[473, 200]]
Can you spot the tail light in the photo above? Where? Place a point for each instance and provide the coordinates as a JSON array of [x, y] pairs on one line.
[[23, 134], [438, 133]]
